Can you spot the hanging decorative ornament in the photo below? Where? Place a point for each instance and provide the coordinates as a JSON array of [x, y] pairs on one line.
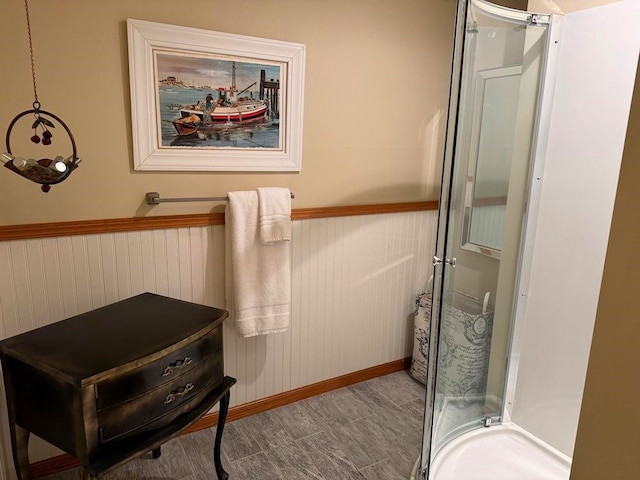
[[50, 169]]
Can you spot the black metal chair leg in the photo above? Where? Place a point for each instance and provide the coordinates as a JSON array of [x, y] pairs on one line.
[[222, 417], [155, 453]]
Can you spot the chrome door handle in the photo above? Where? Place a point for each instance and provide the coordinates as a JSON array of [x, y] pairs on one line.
[[448, 261]]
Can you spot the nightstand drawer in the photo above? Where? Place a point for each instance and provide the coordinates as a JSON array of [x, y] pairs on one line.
[[124, 387], [158, 407]]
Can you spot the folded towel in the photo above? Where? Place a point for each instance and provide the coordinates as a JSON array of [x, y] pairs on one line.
[[257, 275], [275, 214]]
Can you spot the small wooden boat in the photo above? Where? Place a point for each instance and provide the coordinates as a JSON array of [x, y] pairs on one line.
[[186, 126]]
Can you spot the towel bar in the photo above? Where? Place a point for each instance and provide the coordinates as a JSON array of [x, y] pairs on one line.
[[153, 198]]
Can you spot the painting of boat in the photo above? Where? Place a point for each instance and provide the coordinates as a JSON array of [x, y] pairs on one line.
[[226, 106]]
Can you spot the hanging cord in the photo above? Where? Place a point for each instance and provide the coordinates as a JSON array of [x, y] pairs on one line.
[[36, 103]]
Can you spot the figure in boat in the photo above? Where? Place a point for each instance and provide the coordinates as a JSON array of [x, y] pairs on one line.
[[229, 108]]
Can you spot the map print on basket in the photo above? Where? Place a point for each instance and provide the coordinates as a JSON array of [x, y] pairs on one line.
[[464, 347], [463, 362], [422, 322]]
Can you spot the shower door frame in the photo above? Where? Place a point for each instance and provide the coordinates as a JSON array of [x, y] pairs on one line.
[[536, 174], [539, 142], [441, 235]]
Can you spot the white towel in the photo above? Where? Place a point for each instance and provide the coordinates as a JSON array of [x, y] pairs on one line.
[[275, 214], [258, 278]]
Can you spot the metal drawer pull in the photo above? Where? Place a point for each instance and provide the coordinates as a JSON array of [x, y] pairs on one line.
[[181, 392], [168, 370]]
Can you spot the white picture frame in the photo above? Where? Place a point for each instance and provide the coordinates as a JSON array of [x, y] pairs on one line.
[[238, 142]]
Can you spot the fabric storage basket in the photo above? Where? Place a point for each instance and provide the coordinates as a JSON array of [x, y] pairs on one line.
[[421, 328], [463, 358]]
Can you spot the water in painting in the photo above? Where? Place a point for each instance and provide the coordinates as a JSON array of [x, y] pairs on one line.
[[211, 102]]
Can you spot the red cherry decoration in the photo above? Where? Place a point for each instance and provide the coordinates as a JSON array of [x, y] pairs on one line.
[[45, 188], [46, 141], [47, 134], [35, 139]]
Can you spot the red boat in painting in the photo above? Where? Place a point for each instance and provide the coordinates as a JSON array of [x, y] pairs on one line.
[[227, 109]]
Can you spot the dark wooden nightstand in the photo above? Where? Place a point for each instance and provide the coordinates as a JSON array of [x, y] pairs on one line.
[[113, 383]]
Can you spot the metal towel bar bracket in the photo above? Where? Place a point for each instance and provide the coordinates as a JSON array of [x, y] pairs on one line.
[[153, 198]]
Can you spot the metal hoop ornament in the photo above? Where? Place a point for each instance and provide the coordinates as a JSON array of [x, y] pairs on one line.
[[43, 174]]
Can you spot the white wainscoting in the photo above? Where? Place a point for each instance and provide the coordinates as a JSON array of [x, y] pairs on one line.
[[354, 281], [487, 225]]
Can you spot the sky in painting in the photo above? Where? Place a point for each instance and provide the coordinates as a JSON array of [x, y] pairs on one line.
[[212, 72]]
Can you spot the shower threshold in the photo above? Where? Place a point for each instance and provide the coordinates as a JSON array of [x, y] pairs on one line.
[[502, 452]]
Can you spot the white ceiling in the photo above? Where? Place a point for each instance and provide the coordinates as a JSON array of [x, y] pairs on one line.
[[564, 6]]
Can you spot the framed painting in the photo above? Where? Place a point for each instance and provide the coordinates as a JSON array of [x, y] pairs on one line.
[[206, 101]]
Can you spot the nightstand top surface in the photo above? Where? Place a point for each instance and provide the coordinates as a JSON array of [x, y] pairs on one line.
[[113, 335]]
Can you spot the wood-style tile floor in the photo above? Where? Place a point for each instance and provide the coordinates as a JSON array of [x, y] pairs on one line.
[[371, 431]]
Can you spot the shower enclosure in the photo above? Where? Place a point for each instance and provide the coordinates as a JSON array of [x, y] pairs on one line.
[[495, 378]]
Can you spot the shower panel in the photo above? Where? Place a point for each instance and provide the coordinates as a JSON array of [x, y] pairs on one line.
[[498, 64]]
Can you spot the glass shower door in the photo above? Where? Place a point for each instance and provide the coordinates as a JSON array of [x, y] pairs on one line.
[[496, 72]]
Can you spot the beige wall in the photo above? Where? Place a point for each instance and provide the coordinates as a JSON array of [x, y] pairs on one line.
[[517, 4], [608, 433], [377, 76]]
